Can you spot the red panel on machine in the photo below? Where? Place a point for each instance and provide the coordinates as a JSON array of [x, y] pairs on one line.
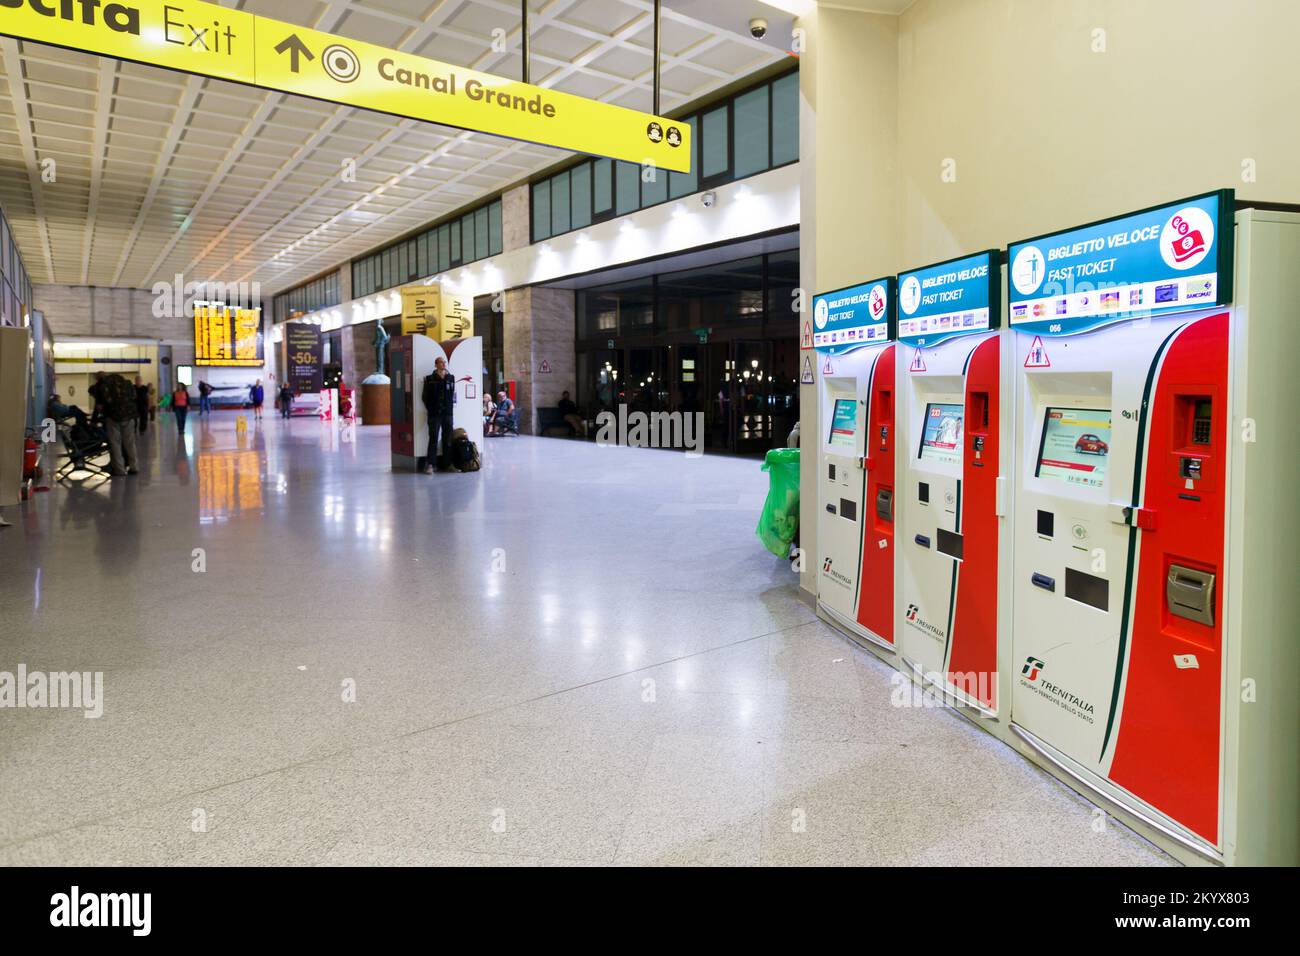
[[1167, 749], [876, 592]]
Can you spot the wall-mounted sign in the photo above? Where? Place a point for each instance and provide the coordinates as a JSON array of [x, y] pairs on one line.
[[956, 297], [302, 344], [1169, 258], [848, 319], [421, 310], [211, 40], [436, 312], [226, 335]]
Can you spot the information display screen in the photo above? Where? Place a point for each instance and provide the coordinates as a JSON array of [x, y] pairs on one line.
[[227, 336], [1075, 446], [844, 423], [941, 438]]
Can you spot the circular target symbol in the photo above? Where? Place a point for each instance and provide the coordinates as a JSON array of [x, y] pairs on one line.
[[341, 63]]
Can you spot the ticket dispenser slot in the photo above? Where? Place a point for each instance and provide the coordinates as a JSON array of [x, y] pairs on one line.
[[1190, 594], [885, 504]]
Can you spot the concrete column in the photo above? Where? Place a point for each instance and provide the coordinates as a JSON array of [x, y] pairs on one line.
[[516, 218], [849, 190], [539, 327]]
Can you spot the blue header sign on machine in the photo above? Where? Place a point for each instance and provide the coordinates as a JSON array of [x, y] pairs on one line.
[[957, 297], [850, 318], [1168, 258]]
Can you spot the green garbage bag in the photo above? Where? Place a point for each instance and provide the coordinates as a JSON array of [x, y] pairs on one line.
[[779, 522]]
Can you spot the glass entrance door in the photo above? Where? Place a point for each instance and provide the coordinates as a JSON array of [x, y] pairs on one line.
[[751, 393]]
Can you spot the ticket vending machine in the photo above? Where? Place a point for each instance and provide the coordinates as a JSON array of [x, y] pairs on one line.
[[954, 422], [853, 332], [1156, 526]]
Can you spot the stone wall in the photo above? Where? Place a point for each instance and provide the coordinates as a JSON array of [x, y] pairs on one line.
[[539, 332]]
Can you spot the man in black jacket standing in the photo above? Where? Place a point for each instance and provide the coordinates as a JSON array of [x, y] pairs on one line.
[[439, 397]]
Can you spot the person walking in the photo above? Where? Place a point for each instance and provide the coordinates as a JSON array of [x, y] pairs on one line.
[[115, 404], [181, 405], [439, 396], [286, 400], [256, 396], [205, 398], [141, 405]]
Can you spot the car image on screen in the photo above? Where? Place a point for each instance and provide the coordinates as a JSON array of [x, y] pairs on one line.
[[1091, 444]]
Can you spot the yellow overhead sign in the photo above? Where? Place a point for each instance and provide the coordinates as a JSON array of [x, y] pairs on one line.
[[211, 40]]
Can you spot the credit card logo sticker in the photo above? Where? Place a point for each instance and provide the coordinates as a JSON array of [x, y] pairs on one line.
[[1167, 292]]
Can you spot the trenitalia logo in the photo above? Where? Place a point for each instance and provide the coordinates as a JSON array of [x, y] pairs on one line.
[[829, 571], [116, 16], [913, 617], [1069, 701]]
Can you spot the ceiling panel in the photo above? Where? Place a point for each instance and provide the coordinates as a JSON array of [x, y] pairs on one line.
[[159, 173]]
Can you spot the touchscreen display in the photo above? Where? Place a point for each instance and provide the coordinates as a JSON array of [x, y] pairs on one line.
[[844, 423], [941, 436], [1076, 446]]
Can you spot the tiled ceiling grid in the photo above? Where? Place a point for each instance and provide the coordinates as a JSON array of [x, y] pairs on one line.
[[158, 173]]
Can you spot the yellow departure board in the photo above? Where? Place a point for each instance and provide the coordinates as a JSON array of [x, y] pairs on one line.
[[227, 335]]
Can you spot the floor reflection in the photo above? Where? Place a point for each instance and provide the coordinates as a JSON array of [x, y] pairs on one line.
[[230, 483]]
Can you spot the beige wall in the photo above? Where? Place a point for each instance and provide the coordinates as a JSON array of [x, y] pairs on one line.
[[1052, 112], [1046, 133]]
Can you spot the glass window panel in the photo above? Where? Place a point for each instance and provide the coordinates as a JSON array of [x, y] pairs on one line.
[[481, 233], [422, 255], [542, 210], [444, 248], [580, 183], [627, 188], [454, 232], [683, 184], [751, 132], [715, 143], [654, 190], [494, 229], [602, 173], [560, 218], [467, 238], [785, 119]]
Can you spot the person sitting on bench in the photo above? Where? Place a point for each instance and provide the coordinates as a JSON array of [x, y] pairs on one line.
[[569, 412], [503, 419], [58, 411]]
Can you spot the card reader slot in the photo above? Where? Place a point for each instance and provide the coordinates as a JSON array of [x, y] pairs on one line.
[[1043, 581], [923, 541]]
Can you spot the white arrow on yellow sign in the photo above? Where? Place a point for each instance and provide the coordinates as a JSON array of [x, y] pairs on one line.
[[209, 40]]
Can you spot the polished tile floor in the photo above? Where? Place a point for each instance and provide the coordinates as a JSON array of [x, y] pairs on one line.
[[577, 655]]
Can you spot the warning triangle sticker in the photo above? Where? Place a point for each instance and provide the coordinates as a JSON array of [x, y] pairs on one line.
[[918, 362], [806, 376], [544, 368], [826, 369], [1037, 357], [806, 342]]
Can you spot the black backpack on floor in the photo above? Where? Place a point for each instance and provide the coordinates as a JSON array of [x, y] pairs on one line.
[[464, 455]]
